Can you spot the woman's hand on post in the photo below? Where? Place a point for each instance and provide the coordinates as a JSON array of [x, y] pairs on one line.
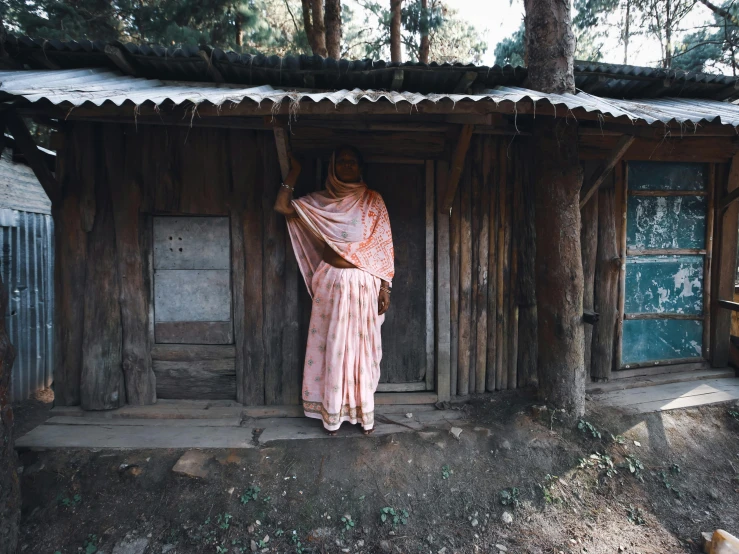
[[383, 302]]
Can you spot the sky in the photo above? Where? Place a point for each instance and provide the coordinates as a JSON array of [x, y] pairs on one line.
[[497, 19]]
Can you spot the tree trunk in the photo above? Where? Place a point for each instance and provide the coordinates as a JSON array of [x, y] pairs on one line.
[[559, 275], [557, 181], [550, 46], [10, 494], [423, 51], [627, 25], [395, 12], [314, 26], [333, 28]]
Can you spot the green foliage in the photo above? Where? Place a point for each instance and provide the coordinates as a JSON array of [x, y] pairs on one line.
[[67, 502], [512, 50], [509, 497], [446, 472], [601, 462], [252, 493], [634, 466], [547, 489], [734, 414], [618, 439], [90, 546], [224, 521], [347, 522], [393, 516], [635, 515], [587, 427]]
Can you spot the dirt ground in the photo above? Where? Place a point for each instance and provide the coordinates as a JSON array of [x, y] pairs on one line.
[[508, 483]]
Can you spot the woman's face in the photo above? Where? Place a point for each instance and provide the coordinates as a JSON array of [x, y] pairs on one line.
[[346, 166]]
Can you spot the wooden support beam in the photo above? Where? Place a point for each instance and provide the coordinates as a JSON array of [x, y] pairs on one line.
[[283, 149], [729, 198], [729, 305], [605, 168], [33, 155], [119, 58], [460, 152], [467, 78], [398, 77], [213, 72]]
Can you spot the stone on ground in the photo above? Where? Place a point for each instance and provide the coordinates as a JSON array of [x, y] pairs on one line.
[[131, 546], [192, 464]]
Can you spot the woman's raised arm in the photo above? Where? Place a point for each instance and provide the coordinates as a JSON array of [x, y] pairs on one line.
[[283, 203]]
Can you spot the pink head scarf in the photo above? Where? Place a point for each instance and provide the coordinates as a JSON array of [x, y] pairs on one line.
[[352, 219]]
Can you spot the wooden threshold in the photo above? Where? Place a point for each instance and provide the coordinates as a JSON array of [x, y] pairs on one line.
[[402, 387], [660, 369], [660, 379], [384, 398]]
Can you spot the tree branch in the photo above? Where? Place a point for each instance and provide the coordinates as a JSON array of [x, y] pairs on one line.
[[719, 11]]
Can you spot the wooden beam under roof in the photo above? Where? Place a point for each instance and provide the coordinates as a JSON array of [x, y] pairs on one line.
[[467, 78], [605, 168], [455, 171], [34, 156], [206, 54]]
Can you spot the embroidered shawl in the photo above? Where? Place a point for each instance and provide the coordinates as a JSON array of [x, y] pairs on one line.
[[352, 219]]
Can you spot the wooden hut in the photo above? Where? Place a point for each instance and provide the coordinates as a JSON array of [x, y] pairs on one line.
[[175, 279]]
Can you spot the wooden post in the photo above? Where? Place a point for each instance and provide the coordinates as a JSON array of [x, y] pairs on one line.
[[589, 247], [430, 216], [501, 334], [726, 246], [607, 270], [124, 181], [480, 215], [10, 493], [514, 166], [443, 291], [492, 177], [102, 385], [527, 324], [466, 343], [707, 262], [622, 202], [455, 231]]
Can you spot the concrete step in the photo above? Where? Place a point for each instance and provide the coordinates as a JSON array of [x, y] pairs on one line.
[[661, 379]]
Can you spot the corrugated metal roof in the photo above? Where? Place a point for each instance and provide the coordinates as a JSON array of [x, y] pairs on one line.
[[73, 88], [189, 64], [19, 188]]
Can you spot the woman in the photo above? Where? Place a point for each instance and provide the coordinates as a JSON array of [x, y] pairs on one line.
[[344, 247]]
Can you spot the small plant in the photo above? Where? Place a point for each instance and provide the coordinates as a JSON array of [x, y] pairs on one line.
[[675, 469], [67, 502], [90, 546], [587, 427], [252, 493], [393, 516], [279, 532], [635, 516], [618, 439], [446, 472], [509, 497], [547, 489], [224, 521], [261, 543], [347, 522], [601, 462], [267, 499], [666, 482], [296, 542], [634, 466], [221, 549], [734, 414]]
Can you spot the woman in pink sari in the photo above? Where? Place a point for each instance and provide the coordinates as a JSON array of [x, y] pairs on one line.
[[344, 247]]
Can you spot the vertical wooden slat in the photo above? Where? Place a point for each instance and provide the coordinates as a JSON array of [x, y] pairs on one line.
[[480, 171], [430, 274], [589, 249], [443, 291], [125, 184], [622, 194], [102, 385], [465, 286], [493, 178], [725, 264], [527, 319], [455, 225], [254, 356], [707, 262], [501, 380], [512, 252]]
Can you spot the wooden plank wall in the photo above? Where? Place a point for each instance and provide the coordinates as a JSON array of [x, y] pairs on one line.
[[491, 253], [103, 265]]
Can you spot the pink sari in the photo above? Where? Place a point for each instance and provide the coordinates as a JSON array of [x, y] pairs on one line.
[[342, 357]]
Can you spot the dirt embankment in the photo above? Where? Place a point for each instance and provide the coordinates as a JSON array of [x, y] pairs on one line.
[[648, 483]]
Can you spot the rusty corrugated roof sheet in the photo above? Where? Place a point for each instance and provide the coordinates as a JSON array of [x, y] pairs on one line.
[[73, 88], [189, 64]]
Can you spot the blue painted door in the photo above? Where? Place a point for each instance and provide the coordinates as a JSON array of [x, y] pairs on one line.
[[666, 206]]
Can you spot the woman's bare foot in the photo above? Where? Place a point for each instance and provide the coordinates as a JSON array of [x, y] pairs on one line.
[[330, 433], [368, 431]]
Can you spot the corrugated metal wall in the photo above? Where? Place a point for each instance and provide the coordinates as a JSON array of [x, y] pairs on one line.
[[27, 266]]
